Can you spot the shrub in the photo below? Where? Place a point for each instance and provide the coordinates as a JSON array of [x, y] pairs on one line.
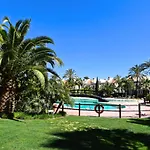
[[148, 97], [62, 113], [22, 115]]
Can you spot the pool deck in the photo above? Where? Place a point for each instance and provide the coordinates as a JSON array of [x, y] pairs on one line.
[[130, 111]]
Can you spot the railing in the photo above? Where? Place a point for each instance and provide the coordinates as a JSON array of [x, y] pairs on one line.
[[120, 110], [84, 92]]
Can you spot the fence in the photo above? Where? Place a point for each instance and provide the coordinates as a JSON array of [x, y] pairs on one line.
[[80, 91], [137, 109]]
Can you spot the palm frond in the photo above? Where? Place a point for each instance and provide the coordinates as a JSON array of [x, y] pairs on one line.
[[11, 36], [42, 39], [58, 61], [52, 72], [18, 24], [43, 49], [24, 26], [3, 34], [4, 25], [28, 44], [39, 76], [1, 41], [46, 57], [4, 60], [6, 19], [25, 45]]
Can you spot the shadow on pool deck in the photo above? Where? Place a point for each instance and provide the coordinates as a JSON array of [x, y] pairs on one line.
[[96, 139]]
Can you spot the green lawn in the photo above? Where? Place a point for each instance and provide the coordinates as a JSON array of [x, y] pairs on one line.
[[75, 133]]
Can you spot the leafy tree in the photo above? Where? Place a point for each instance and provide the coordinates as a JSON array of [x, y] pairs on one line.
[[57, 91], [29, 100], [39, 101], [21, 57]]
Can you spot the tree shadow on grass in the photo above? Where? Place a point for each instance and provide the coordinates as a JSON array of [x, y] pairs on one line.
[[145, 121], [96, 139]]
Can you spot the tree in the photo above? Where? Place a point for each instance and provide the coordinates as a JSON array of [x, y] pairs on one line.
[[127, 85], [79, 82], [30, 100], [70, 77], [117, 83], [145, 86], [136, 74], [86, 77], [42, 100], [97, 85], [107, 89], [22, 58], [57, 91], [146, 66]]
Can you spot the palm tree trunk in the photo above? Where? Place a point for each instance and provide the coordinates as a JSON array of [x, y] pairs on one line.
[[7, 98], [137, 87]]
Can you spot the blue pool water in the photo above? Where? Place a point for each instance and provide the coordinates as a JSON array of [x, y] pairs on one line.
[[90, 104]]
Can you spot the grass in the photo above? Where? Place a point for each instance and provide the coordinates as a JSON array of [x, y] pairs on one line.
[[75, 133]]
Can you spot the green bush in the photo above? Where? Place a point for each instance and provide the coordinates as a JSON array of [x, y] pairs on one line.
[[148, 97], [7, 115], [62, 113], [22, 115]]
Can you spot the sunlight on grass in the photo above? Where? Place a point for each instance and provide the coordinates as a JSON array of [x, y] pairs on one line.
[[79, 132]]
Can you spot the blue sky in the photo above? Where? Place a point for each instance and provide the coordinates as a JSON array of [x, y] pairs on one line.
[[94, 37]]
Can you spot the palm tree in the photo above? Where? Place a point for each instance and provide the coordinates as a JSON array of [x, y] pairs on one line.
[[21, 58], [146, 86], [136, 74], [127, 86], [70, 77], [79, 82], [146, 66], [117, 83], [107, 89]]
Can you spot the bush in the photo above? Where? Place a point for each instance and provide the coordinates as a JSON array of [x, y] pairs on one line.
[[22, 115], [62, 113], [148, 97], [6, 115]]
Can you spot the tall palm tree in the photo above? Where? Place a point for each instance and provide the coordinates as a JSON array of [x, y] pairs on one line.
[[70, 76], [136, 74], [146, 66], [20, 58]]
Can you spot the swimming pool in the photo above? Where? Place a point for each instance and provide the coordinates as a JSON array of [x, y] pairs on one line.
[[89, 104]]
